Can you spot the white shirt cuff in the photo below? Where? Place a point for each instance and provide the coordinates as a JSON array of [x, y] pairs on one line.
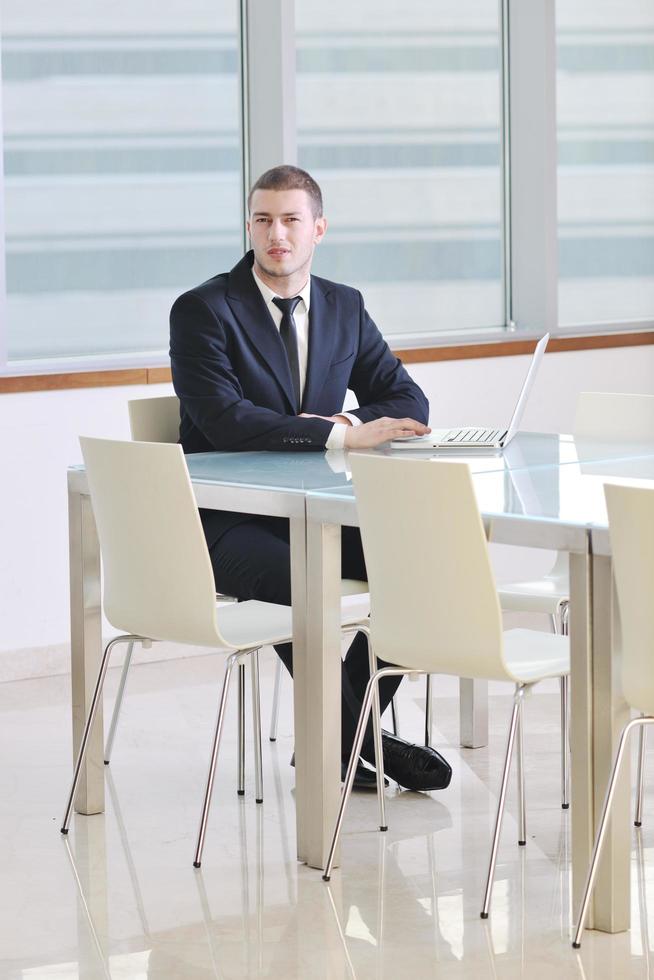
[[353, 418], [336, 438]]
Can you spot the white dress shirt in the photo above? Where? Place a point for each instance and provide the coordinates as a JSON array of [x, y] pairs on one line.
[[336, 438]]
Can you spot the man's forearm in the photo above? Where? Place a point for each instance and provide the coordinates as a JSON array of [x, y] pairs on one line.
[[406, 405]]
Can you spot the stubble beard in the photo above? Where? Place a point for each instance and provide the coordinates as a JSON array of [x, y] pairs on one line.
[[276, 273]]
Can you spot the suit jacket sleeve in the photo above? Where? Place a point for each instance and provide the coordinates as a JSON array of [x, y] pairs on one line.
[[380, 382], [210, 392]]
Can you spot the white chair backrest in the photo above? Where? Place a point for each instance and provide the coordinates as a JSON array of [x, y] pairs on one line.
[[433, 599], [613, 416], [631, 524], [154, 419], [158, 580]]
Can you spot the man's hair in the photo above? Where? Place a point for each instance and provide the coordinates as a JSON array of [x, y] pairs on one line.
[[287, 178]]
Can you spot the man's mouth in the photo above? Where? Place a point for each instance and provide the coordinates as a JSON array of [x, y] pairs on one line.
[[278, 252]]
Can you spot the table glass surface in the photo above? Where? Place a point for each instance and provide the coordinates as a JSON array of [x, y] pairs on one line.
[[306, 472], [286, 472], [570, 492]]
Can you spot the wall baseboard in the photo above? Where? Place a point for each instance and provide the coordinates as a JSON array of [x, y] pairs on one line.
[[34, 662]]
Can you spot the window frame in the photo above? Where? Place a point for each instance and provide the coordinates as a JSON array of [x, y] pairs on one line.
[[266, 43]]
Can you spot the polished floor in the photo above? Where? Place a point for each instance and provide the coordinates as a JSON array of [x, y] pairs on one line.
[[119, 898]]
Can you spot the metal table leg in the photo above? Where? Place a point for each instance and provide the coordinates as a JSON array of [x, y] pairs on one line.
[[85, 644]]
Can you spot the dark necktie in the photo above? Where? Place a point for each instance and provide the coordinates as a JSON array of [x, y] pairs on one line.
[[287, 332]]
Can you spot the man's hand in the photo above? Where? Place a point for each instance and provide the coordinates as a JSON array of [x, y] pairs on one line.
[[374, 433]]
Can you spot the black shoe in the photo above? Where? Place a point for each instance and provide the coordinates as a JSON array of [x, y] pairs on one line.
[[417, 767], [364, 778]]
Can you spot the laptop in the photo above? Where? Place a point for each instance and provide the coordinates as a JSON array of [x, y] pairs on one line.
[[477, 437]]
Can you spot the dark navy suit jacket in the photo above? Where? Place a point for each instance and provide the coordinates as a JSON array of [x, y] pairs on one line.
[[233, 381]]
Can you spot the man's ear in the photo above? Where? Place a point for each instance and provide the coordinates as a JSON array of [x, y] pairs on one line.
[[319, 230]]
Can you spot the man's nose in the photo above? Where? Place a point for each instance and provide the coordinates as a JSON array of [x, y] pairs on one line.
[[276, 230]]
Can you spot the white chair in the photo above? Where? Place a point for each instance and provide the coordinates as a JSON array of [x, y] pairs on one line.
[[154, 419], [157, 420], [451, 621], [631, 526], [609, 417], [158, 580]]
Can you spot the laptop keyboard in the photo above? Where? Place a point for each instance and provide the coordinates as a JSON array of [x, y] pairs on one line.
[[477, 437]]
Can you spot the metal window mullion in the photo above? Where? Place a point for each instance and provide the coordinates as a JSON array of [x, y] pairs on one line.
[[244, 126], [269, 85], [533, 164], [505, 84]]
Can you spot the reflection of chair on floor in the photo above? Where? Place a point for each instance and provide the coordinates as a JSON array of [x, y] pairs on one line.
[[159, 581], [451, 621], [631, 527]]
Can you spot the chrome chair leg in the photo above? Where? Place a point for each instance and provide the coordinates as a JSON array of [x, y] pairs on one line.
[[354, 755], [638, 818], [231, 660], [256, 725], [515, 716], [395, 718], [601, 830], [241, 730], [427, 709], [564, 617], [565, 743], [560, 624], [376, 729], [95, 701], [274, 714], [522, 811], [118, 703]]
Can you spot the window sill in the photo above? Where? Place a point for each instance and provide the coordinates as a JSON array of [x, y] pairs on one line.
[[11, 384]]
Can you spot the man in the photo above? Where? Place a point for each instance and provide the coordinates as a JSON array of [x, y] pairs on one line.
[[262, 357]]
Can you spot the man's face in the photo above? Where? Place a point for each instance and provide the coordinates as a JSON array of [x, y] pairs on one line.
[[283, 231]]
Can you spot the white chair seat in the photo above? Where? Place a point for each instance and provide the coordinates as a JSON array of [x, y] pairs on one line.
[[254, 623], [543, 595], [532, 656]]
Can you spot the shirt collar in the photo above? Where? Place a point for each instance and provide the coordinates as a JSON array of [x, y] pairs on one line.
[[269, 294]]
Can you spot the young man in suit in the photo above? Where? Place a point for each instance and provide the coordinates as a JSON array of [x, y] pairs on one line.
[[262, 357]]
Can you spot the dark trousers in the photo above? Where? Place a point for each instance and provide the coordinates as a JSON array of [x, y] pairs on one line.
[[252, 561]]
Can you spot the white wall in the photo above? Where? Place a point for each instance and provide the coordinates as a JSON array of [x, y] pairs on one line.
[[38, 433]]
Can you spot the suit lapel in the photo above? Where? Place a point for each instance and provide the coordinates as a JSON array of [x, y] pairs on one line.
[[322, 336], [248, 306]]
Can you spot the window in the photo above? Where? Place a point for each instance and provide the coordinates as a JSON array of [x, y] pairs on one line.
[[399, 120], [122, 168], [606, 160]]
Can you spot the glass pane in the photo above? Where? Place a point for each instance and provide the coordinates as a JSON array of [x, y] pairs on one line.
[[399, 108], [606, 160], [121, 154]]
